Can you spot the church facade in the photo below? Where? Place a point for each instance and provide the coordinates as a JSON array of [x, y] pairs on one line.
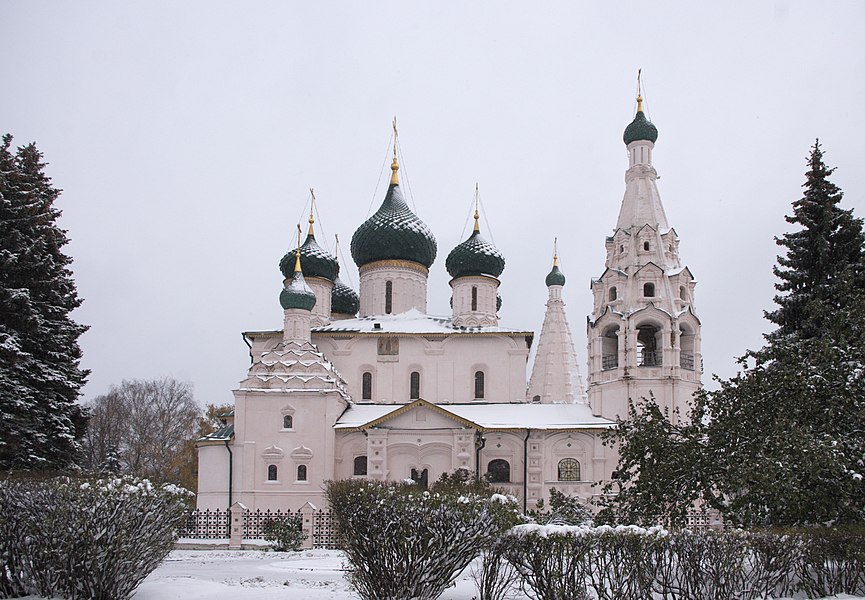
[[372, 386]]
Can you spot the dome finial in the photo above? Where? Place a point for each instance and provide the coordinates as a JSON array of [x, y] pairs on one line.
[[555, 252], [297, 252], [394, 167], [639, 91], [477, 214], [311, 206]]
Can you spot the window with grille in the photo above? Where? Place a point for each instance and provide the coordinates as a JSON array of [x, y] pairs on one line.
[[569, 469]]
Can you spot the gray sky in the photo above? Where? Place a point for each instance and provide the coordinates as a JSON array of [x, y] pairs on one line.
[[185, 136]]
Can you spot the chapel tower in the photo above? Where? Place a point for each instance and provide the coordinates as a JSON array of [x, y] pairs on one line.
[[643, 333], [555, 375]]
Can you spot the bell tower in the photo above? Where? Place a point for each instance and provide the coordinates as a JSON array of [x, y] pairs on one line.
[[643, 333]]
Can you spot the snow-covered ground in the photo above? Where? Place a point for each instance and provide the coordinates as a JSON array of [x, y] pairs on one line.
[[259, 575]]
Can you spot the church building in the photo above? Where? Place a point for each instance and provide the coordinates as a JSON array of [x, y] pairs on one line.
[[373, 386]]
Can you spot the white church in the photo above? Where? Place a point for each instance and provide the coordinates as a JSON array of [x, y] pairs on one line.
[[372, 386]]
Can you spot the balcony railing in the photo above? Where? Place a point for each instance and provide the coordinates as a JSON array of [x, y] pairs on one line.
[[686, 360], [650, 359], [609, 361]]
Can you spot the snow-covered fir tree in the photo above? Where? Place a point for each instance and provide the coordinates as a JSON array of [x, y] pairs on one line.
[[40, 375]]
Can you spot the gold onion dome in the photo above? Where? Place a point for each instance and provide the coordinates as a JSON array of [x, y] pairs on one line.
[[394, 232], [475, 256]]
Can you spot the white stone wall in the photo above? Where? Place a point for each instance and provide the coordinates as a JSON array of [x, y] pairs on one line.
[[447, 366], [486, 289], [408, 291]]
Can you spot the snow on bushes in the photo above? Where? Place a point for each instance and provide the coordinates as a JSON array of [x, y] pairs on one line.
[[286, 534], [403, 542], [632, 563], [84, 539]]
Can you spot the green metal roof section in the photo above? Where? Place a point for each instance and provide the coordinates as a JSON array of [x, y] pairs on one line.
[[343, 299], [317, 262], [640, 128], [475, 256], [394, 232], [222, 434], [555, 277], [297, 294]]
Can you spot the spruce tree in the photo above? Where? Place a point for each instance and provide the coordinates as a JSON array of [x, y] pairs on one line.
[[824, 255], [40, 376]]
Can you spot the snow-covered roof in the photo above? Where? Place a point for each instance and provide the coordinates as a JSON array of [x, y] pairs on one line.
[[410, 322], [483, 415]]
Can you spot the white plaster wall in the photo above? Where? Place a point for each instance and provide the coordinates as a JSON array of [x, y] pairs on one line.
[[260, 440], [485, 314], [409, 288], [446, 364], [212, 477]]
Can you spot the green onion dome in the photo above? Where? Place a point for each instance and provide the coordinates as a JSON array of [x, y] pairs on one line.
[[394, 232], [297, 293], [343, 299], [555, 277], [640, 128], [475, 256], [317, 262]]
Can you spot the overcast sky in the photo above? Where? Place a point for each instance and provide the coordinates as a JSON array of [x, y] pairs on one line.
[[186, 135]]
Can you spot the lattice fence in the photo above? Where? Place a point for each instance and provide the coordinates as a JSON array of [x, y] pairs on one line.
[[213, 524]]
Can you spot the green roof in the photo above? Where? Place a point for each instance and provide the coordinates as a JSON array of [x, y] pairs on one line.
[[555, 277], [343, 299], [475, 256], [297, 294], [394, 232], [640, 128], [317, 262]]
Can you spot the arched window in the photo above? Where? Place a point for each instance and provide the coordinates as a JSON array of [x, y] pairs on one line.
[[287, 422], [649, 290], [613, 293], [301, 472], [683, 293], [686, 348], [414, 385], [648, 352], [499, 471], [610, 348], [388, 297], [272, 473], [360, 465], [366, 392], [569, 469], [646, 246], [479, 384], [474, 297]]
